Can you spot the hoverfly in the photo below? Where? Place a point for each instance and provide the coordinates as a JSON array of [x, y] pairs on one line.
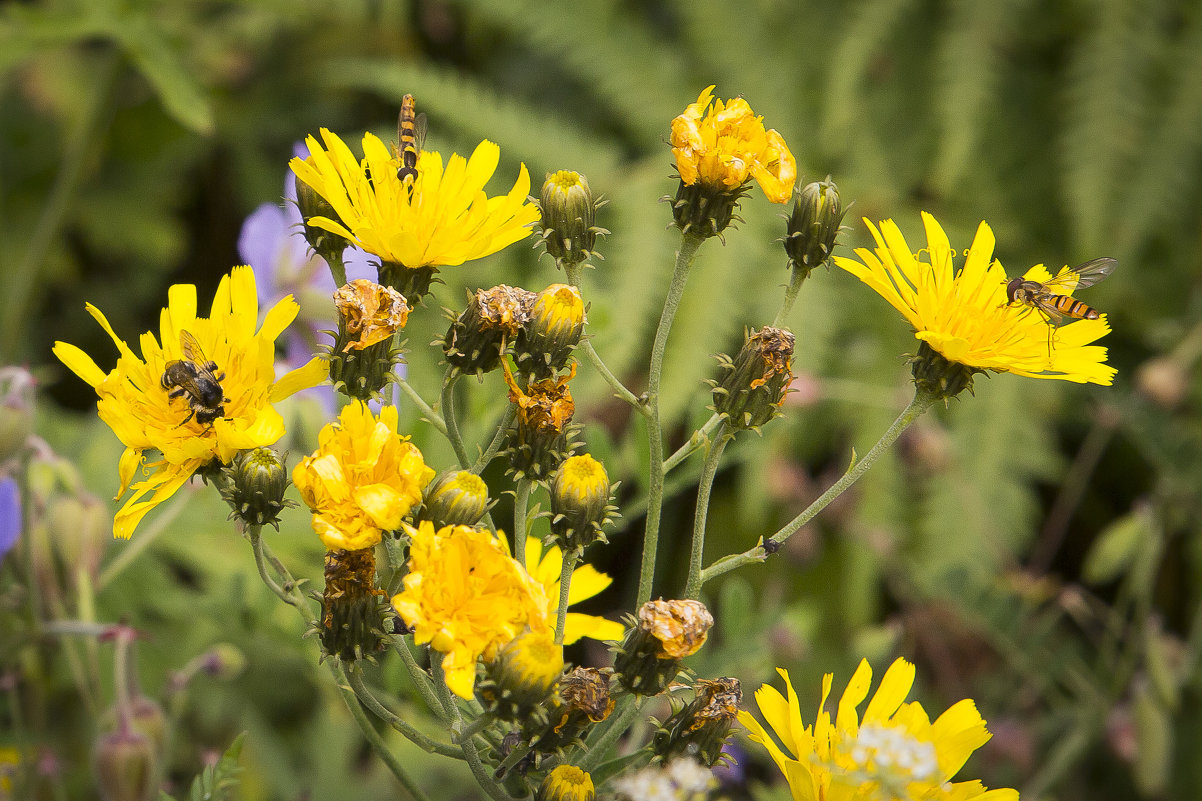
[[196, 378], [411, 135], [1051, 299]]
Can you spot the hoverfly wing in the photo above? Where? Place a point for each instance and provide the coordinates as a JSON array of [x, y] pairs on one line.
[[420, 126], [1094, 270]]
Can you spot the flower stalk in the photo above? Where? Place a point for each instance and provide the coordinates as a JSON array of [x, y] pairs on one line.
[[709, 470]]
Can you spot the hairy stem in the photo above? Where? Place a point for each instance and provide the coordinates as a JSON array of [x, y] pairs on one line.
[[692, 587]]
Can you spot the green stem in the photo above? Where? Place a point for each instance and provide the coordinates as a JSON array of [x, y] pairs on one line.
[[497, 440], [434, 418], [430, 746], [337, 269], [20, 283], [146, 537], [620, 390], [255, 533], [521, 504], [689, 244], [912, 412], [421, 679], [692, 587], [483, 776], [565, 583], [370, 734], [472, 729], [795, 281], [448, 416], [699, 438]]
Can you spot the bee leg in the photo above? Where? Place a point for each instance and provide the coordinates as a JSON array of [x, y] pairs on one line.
[[191, 414], [175, 393]]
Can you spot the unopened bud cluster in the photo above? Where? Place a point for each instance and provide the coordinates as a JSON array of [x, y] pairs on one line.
[[754, 383], [580, 502], [454, 498], [545, 344], [254, 487], [522, 676]]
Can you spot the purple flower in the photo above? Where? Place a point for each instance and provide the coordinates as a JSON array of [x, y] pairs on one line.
[[10, 514]]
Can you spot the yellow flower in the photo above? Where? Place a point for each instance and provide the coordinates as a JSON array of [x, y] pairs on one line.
[[444, 220], [964, 314], [135, 405], [566, 783], [728, 146], [894, 752], [587, 581], [362, 479], [467, 597]]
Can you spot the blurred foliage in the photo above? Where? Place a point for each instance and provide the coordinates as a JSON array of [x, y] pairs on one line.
[[1035, 547]]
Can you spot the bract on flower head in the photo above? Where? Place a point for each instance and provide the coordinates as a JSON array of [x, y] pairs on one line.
[[363, 478], [964, 315], [444, 219], [135, 405], [467, 597], [725, 145], [894, 751]]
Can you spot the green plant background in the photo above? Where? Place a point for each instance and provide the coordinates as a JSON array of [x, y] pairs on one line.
[[1035, 547]]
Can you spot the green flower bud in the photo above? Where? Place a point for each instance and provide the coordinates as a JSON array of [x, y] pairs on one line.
[[700, 728], [255, 487], [755, 382], [224, 661], [522, 676], [568, 213], [580, 502], [484, 330], [813, 225], [78, 528], [326, 244], [566, 783], [556, 324], [454, 498], [664, 633]]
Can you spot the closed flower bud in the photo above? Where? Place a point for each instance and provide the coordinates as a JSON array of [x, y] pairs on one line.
[[754, 383], [123, 762], [568, 213], [78, 527], [556, 324], [566, 783], [363, 356], [664, 633], [939, 377], [354, 611], [454, 498], [484, 330], [324, 243], [522, 676], [224, 661], [256, 486], [699, 729], [813, 225], [580, 502], [539, 438]]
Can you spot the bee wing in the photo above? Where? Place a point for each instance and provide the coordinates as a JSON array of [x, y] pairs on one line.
[[191, 348]]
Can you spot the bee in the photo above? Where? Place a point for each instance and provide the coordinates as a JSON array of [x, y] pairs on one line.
[[411, 135], [196, 378], [1054, 305]]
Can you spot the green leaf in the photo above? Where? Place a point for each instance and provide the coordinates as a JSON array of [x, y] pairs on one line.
[[182, 96], [1115, 549]]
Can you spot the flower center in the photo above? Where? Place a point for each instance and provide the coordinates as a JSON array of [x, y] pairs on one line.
[[887, 759]]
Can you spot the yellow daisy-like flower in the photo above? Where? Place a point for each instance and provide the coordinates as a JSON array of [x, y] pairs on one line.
[[139, 410], [893, 753], [467, 597], [964, 314], [362, 479], [727, 145], [443, 219], [587, 581]]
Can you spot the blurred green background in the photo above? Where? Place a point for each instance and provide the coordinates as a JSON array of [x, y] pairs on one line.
[[1035, 547]]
